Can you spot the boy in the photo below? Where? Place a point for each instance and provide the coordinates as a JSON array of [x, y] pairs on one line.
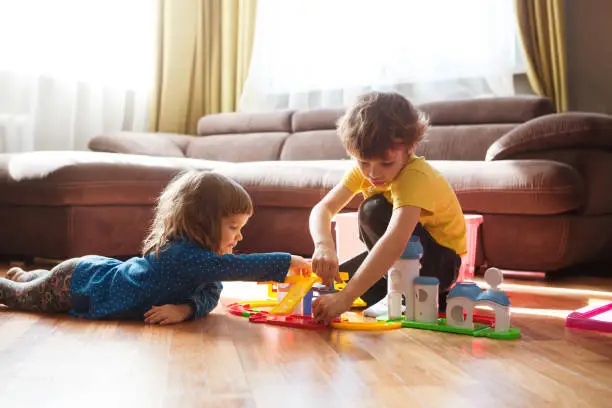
[[403, 195]]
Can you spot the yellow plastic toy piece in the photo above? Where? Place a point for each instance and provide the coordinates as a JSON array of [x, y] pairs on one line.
[[272, 293], [359, 303], [366, 326], [258, 303], [271, 289], [293, 279], [352, 321], [299, 289], [340, 286]]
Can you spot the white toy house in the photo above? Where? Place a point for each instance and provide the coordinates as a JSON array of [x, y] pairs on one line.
[[467, 295]]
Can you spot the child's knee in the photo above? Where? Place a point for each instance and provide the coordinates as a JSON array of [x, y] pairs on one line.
[[375, 211]]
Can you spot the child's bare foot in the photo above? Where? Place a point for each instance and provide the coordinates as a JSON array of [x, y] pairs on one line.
[[17, 274]]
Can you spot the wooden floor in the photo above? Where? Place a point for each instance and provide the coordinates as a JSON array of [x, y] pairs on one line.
[[225, 361]]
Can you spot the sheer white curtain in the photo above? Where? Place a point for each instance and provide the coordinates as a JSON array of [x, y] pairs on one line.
[[71, 69], [323, 53]]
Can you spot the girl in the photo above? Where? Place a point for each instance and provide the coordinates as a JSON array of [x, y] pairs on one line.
[[186, 255]]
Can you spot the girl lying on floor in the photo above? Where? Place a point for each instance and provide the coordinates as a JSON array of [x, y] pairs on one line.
[[188, 252]]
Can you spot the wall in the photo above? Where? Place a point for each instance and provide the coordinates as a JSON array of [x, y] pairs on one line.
[[589, 53]]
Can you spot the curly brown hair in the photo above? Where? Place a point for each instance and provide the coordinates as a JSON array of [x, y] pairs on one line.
[[192, 206], [378, 121]]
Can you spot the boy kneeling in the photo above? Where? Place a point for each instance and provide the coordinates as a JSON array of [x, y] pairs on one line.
[[403, 195]]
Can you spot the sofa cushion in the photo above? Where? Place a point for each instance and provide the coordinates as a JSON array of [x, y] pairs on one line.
[[313, 145], [510, 109], [530, 187], [87, 178], [460, 142], [534, 187], [238, 147], [240, 122], [289, 183], [315, 119], [149, 144]]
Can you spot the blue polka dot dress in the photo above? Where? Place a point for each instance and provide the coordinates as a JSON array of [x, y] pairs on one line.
[[182, 272]]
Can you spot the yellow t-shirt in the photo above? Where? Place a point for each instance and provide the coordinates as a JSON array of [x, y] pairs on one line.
[[420, 185]]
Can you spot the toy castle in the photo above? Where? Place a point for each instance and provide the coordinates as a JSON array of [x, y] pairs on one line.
[[421, 294]]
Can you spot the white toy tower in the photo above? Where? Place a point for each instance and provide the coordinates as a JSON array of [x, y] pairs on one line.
[[401, 279], [498, 299], [426, 299]]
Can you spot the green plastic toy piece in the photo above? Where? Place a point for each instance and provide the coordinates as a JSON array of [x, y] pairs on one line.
[[479, 330], [249, 313]]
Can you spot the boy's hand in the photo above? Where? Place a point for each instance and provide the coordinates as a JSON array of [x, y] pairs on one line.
[[326, 307], [325, 264], [168, 314]]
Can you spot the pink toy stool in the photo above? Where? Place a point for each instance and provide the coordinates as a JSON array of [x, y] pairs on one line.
[[348, 244], [468, 261]]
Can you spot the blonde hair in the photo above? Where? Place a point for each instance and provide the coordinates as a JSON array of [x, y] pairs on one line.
[[378, 121], [192, 206]]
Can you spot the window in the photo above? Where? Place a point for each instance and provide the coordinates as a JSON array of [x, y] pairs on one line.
[[318, 53]]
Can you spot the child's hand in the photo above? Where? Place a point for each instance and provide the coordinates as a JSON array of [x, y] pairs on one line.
[[326, 307], [299, 266], [325, 264], [168, 314]]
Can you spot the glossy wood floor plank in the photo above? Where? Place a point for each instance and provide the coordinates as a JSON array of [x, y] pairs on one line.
[[225, 361]]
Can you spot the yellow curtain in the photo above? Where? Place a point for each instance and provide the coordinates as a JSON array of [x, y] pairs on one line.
[[204, 50], [542, 32]]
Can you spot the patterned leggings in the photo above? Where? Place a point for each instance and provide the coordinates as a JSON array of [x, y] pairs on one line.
[[48, 291]]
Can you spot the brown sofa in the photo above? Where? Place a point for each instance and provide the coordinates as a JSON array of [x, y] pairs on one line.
[[541, 180]]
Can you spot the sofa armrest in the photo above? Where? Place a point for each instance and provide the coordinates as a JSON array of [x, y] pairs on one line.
[[142, 143], [572, 130], [580, 140]]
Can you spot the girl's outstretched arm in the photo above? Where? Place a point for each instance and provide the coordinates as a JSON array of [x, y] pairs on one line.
[[193, 265], [189, 264], [251, 267]]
